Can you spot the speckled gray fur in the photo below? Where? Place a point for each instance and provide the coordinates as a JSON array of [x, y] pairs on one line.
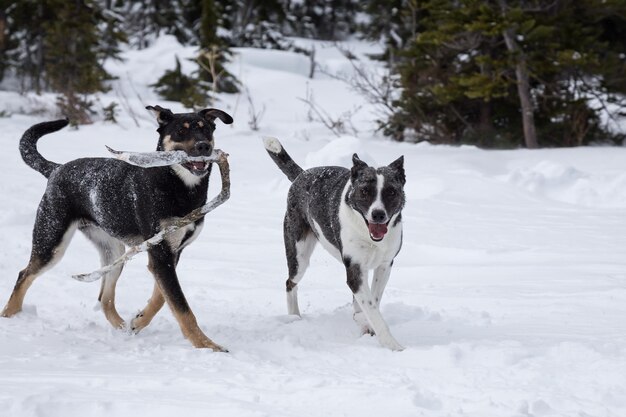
[[356, 215]]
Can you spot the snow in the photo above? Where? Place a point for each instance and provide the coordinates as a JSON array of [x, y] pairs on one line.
[[339, 152], [509, 292]]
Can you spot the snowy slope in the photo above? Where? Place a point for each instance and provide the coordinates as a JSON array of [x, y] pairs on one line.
[[509, 293]]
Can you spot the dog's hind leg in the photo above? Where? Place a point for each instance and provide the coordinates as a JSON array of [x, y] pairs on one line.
[[357, 281], [109, 249], [24, 280], [161, 262], [52, 234], [299, 244]]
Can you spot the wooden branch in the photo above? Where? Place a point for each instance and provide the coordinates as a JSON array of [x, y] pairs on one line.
[[163, 158], [152, 159]]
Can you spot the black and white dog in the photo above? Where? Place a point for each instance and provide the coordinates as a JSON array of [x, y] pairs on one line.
[[116, 204], [356, 215]]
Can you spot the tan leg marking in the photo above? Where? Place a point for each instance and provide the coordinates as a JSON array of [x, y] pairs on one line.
[[146, 315], [193, 333], [35, 268], [109, 249], [186, 320], [107, 301], [24, 281]]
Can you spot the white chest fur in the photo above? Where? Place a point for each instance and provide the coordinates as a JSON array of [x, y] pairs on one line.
[[187, 177], [356, 240]]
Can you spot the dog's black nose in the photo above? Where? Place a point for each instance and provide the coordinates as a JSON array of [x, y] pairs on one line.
[[203, 148], [379, 216]]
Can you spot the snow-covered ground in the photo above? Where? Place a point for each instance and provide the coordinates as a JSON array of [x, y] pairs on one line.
[[509, 293]]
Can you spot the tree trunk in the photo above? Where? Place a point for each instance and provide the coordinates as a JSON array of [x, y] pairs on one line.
[[3, 29], [523, 90], [523, 84]]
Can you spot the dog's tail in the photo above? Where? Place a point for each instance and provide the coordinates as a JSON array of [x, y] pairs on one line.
[[28, 146], [282, 158]]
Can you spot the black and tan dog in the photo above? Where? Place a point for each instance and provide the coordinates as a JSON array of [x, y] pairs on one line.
[[116, 204]]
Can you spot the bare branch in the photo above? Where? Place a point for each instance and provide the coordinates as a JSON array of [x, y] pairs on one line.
[[254, 115], [124, 101], [211, 56], [375, 88], [338, 125]]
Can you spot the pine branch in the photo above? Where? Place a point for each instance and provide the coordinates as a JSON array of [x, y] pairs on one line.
[[154, 159]]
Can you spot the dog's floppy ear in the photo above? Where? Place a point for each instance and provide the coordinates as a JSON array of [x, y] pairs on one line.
[[398, 167], [163, 116], [357, 166], [211, 114]]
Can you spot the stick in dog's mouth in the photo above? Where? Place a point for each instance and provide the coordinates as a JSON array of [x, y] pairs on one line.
[[196, 167], [158, 159], [165, 158]]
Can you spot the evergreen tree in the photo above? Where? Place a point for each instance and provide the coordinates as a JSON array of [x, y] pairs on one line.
[[393, 21], [323, 19], [479, 71], [24, 41], [214, 51], [176, 86], [71, 59], [57, 45], [111, 29], [203, 17], [258, 24], [4, 39], [147, 19]]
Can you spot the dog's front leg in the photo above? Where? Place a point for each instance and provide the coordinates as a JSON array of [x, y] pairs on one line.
[[162, 265], [357, 281], [379, 282], [145, 316], [155, 303]]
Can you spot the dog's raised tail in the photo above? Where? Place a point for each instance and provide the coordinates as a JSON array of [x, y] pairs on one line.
[[282, 158], [28, 146]]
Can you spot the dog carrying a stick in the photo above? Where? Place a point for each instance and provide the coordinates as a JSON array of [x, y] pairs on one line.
[[119, 202]]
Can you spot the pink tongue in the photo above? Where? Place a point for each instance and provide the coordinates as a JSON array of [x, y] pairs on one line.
[[377, 231], [198, 165]]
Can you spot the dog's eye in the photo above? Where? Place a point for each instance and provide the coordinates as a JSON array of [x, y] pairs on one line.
[[391, 192], [364, 192]]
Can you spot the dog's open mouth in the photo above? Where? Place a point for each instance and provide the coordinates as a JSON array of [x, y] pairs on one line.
[[377, 230], [197, 168]]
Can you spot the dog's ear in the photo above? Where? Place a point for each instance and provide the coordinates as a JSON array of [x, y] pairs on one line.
[[163, 116], [398, 167], [211, 114], [357, 166]]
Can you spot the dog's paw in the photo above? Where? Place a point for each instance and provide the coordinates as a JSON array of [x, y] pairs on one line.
[[363, 324], [397, 347], [367, 330], [26, 311], [391, 344], [10, 311], [137, 323], [208, 344], [288, 318]]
